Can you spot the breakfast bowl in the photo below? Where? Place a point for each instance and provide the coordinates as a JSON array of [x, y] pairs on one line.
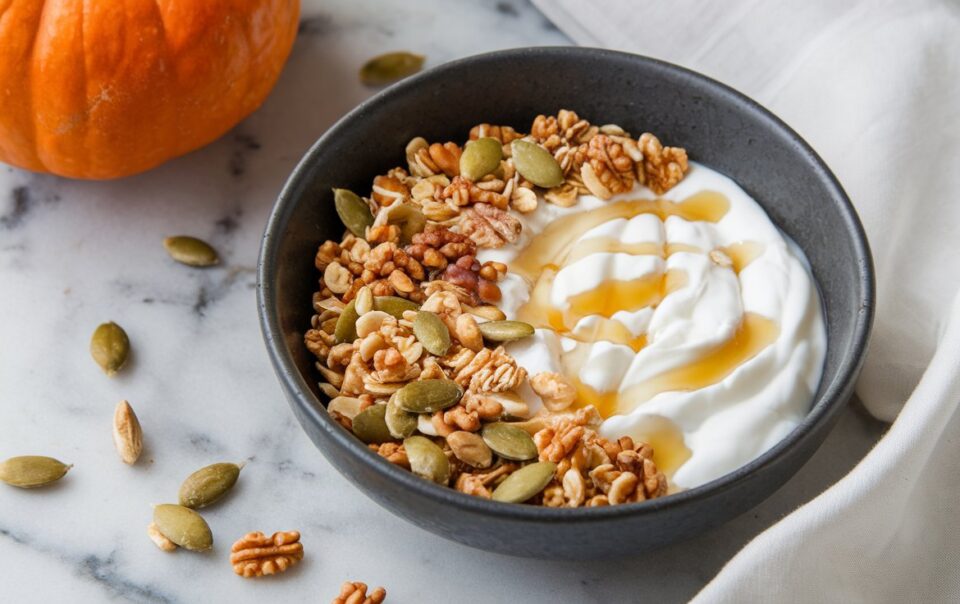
[[718, 127]]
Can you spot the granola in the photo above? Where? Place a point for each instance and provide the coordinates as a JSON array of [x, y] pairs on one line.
[[430, 224]]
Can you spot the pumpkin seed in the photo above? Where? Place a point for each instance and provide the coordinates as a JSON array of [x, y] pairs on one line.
[[427, 459], [428, 396], [346, 328], [400, 423], [109, 347], [410, 220], [432, 333], [370, 425], [394, 305], [390, 67], [505, 331], [31, 471], [191, 251], [470, 449], [354, 212], [535, 163], [183, 526], [208, 485], [509, 442], [525, 482], [480, 157]]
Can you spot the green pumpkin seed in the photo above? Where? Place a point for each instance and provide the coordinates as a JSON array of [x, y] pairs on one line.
[[505, 331], [432, 333], [400, 423], [509, 441], [535, 163], [209, 484], [110, 347], [480, 157], [183, 526], [525, 482], [31, 471], [427, 459], [428, 396], [354, 212], [191, 251], [390, 67], [394, 305], [410, 220], [470, 449], [346, 328], [370, 425]]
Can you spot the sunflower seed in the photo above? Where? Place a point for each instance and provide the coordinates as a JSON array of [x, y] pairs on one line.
[[191, 251], [427, 459], [505, 331], [354, 212], [480, 157], [208, 485], [183, 526], [31, 471], [509, 441], [432, 333], [127, 433], [535, 163], [525, 482], [428, 396], [109, 347], [390, 67]]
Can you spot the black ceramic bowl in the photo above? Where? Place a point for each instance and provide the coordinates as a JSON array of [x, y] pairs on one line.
[[718, 126]]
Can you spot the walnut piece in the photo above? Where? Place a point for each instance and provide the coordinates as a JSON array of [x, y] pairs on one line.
[[489, 227], [392, 452], [255, 554], [663, 167], [504, 134], [355, 592], [485, 371], [609, 170]]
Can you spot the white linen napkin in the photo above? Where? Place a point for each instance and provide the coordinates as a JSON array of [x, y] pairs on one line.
[[874, 86]]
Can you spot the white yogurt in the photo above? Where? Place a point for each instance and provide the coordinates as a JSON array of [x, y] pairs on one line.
[[730, 420]]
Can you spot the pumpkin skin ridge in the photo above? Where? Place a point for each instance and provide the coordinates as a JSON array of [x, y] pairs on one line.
[[120, 87]]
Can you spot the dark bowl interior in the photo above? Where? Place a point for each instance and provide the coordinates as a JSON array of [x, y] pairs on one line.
[[718, 126]]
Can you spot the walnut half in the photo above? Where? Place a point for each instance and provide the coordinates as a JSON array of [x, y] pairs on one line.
[[255, 554]]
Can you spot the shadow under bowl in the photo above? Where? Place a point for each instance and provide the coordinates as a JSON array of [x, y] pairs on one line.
[[718, 126]]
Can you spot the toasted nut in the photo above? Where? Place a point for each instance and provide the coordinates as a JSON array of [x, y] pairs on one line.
[[158, 539], [127, 433], [256, 555]]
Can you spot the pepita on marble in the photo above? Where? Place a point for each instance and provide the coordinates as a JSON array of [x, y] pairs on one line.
[[390, 67], [370, 425], [432, 333], [505, 331], [353, 211], [427, 459], [509, 442], [535, 163], [208, 484], [346, 327], [183, 526], [428, 396], [110, 347], [480, 157], [525, 482], [191, 251], [31, 471], [394, 305]]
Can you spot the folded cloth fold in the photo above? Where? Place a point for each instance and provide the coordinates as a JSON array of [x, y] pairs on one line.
[[874, 86]]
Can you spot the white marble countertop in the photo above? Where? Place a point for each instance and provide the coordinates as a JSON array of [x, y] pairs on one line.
[[75, 254]]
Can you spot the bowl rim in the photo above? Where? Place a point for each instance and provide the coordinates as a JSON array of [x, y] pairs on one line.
[[831, 400]]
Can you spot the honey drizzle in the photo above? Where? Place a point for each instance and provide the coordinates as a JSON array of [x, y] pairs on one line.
[[743, 253]]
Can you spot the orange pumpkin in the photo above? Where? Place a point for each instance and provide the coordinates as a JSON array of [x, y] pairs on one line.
[[109, 88]]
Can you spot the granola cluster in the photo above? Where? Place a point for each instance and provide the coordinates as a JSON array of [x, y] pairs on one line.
[[416, 255]]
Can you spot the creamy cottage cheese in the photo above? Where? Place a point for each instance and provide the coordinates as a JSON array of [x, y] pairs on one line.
[[690, 322]]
